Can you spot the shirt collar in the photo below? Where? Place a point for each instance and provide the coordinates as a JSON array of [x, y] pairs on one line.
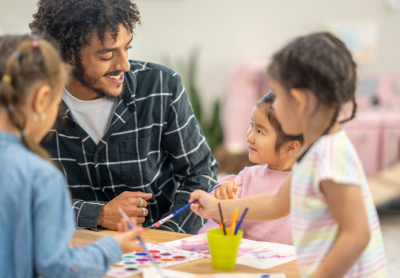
[[128, 96]]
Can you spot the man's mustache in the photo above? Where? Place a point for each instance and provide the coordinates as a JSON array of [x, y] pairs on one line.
[[113, 73]]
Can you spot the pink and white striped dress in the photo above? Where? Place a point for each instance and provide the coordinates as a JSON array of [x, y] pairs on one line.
[[314, 229]]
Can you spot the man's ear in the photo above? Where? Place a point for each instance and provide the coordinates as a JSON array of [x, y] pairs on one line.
[[300, 98], [293, 147], [41, 98]]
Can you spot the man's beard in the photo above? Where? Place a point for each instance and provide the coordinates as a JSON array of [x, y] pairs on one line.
[[80, 74]]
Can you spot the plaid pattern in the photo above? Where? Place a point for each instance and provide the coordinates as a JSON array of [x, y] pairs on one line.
[[154, 144]]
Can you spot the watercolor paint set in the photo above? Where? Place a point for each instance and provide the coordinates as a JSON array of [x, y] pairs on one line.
[[133, 263]]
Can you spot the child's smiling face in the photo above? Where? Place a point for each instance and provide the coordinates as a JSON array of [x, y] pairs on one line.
[[261, 138]]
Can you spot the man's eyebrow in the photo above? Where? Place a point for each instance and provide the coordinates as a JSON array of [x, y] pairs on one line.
[[107, 50]]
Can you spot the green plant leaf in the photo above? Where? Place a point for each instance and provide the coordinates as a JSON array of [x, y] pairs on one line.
[[212, 127]]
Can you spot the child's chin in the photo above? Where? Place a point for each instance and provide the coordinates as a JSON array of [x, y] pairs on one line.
[[253, 159]]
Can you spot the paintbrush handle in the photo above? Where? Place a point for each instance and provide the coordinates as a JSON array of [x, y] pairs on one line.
[[188, 205], [141, 241], [241, 220], [184, 207], [165, 219]]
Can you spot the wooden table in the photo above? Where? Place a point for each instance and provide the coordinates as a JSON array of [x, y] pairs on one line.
[[202, 266]]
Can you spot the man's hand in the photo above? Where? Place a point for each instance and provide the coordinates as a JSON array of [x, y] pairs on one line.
[[129, 202]]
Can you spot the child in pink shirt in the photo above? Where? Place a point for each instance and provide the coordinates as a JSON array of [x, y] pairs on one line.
[[275, 151]]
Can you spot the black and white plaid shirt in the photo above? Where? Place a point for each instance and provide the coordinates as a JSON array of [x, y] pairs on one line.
[[154, 144]]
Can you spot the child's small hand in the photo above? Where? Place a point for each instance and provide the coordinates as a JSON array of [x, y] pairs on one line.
[[127, 238], [227, 190], [206, 206]]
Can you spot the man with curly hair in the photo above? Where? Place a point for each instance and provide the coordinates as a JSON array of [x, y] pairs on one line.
[[126, 133]]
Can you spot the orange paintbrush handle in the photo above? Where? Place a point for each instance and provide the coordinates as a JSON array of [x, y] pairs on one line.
[[233, 221]]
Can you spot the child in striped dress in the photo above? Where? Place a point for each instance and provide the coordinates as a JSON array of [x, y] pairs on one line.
[[335, 226]]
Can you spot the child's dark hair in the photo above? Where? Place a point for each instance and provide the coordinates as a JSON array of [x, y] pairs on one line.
[[25, 61], [282, 138], [321, 63]]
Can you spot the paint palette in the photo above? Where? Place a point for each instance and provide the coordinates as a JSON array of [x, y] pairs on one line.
[[133, 263]]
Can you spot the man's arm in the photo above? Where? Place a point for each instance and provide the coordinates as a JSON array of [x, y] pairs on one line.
[[94, 214], [87, 213], [194, 167]]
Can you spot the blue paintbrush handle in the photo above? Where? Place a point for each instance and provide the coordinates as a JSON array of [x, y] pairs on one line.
[[188, 205], [241, 220]]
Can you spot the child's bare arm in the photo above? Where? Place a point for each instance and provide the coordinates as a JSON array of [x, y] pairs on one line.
[[347, 207], [261, 208]]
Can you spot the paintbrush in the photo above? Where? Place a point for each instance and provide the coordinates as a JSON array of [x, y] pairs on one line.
[[222, 218], [141, 241], [162, 221], [233, 222], [240, 221]]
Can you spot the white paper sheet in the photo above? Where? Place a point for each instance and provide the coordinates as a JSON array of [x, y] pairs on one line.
[[256, 254], [151, 273]]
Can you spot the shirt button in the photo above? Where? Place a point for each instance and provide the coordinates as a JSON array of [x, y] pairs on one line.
[[72, 124]]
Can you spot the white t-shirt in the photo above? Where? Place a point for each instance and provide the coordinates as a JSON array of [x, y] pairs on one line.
[[94, 116]]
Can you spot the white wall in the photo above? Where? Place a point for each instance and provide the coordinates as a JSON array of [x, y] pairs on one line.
[[229, 30]]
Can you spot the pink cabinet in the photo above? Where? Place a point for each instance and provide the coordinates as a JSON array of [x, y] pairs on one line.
[[390, 138], [365, 134], [246, 85]]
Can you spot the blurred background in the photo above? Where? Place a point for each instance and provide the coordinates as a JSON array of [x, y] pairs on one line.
[[221, 49]]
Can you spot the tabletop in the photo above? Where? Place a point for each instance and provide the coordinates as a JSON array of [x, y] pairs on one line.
[[203, 266]]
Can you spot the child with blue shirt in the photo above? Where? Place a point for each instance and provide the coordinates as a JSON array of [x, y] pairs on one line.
[[36, 216]]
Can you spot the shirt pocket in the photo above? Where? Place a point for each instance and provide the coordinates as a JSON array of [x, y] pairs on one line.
[[139, 159]]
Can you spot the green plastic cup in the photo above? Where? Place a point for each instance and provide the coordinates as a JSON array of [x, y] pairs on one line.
[[223, 249]]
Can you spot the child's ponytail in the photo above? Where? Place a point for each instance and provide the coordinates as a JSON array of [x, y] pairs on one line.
[[32, 61]]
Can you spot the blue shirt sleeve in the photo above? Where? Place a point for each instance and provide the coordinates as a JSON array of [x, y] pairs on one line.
[[53, 229]]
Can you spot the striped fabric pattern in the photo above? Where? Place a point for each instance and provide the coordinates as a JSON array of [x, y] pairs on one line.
[[314, 229]]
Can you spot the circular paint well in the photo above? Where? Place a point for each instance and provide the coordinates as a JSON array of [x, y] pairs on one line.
[[118, 265], [179, 258], [119, 272], [142, 260], [166, 254], [167, 260], [140, 251], [157, 257], [141, 254], [143, 265], [130, 262], [129, 257], [131, 269], [154, 251]]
